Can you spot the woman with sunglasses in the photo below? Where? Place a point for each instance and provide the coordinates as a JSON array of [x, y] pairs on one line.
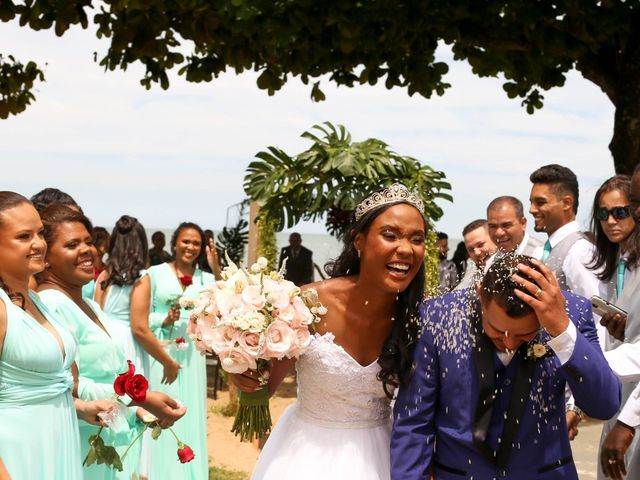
[[616, 261]]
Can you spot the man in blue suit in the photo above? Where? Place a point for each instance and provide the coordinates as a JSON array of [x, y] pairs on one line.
[[486, 400]]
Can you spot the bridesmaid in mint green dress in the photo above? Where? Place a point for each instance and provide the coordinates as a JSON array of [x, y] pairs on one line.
[[38, 424], [158, 323], [128, 254], [36, 408], [100, 359], [100, 356]]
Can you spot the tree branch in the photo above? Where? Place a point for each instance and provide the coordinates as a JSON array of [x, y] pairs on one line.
[[602, 75]]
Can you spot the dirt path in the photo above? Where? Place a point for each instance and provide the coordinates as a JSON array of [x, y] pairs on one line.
[[225, 449]]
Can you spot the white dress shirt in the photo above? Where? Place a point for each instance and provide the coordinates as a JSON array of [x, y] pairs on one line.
[[537, 252], [562, 345], [580, 279]]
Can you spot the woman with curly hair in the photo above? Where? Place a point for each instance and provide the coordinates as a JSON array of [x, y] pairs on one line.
[[360, 351]]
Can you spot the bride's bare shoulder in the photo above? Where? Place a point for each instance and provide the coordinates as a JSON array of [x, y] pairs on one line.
[[331, 285]]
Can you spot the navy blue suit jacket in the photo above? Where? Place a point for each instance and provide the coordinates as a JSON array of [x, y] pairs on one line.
[[435, 414]]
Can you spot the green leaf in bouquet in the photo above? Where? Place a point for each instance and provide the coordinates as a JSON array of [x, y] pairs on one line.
[[96, 441], [155, 433], [90, 458], [109, 453], [117, 463]]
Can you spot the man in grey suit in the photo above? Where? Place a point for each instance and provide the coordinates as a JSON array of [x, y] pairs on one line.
[[508, 227]]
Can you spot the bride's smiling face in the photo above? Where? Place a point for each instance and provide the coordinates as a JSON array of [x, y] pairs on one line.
[[392, 249]]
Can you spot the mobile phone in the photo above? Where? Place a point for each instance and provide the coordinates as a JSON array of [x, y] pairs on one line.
[[600, 306]]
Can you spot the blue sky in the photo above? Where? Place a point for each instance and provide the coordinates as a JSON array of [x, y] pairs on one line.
[[181, 154]]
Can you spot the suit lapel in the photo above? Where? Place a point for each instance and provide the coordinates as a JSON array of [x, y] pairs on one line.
[[483, 352]]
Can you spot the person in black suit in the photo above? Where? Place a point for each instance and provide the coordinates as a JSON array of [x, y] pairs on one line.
[[299, 268]]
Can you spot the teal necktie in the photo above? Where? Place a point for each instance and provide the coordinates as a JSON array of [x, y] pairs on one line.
[[622, 265], [546, 251]]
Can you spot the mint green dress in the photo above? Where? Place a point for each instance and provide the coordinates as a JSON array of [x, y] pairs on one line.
[[100, 358], [190, 388], [89, 289], [117, 306], [38, 424]]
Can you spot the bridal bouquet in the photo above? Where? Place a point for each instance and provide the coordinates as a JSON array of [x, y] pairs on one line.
[[248, 318]]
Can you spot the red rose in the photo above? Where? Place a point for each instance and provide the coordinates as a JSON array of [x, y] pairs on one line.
[[186, 280], [185, 454], [180, 340], [118, 384], [136, 387]]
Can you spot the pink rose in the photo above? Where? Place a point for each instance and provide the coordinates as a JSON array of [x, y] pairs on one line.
[[303, 314], [228, 302], [221, 338], [252, 296], [286, 314], [301, 343], [276, 295], [279, 339], [234, 360], [250, 343]]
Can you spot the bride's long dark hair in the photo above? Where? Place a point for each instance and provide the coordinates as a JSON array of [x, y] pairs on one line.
[[396, 359]]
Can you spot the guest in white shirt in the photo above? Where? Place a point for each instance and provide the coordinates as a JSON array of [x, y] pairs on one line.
[[617, 250], [567, 251], [508, 228]]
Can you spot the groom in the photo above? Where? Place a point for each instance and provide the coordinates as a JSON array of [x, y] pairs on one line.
[[487, 397]]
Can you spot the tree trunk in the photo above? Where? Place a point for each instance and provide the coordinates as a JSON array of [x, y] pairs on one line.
[[625, 144]]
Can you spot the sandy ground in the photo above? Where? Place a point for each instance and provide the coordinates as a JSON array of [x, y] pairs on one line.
[[225, 450]]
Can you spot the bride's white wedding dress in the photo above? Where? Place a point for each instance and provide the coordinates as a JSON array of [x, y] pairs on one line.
[[340, 426]]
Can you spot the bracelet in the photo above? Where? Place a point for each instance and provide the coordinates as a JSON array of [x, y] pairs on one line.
[[576, 410]]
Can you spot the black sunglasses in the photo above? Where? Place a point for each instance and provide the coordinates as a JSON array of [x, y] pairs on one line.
[[619, 213]]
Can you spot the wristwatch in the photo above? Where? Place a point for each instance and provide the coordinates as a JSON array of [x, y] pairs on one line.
[[577, 410]]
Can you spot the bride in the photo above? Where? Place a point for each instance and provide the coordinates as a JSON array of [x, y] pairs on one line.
[[340, 426]]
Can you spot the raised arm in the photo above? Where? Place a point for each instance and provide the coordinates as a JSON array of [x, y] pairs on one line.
[[568, 320], [140, 305], [99, 295]]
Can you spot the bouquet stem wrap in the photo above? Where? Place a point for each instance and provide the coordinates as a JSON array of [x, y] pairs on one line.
[[253, 419]]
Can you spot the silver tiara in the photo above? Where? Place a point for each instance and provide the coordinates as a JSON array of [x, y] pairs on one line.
[[396, 193]]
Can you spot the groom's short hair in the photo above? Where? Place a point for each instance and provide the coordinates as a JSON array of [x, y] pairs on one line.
[[498, 286]]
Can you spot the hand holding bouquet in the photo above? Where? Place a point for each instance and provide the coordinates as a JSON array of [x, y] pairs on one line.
[[247, 319]]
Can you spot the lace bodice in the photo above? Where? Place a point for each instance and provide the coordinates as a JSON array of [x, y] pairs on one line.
[[336, 391]]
